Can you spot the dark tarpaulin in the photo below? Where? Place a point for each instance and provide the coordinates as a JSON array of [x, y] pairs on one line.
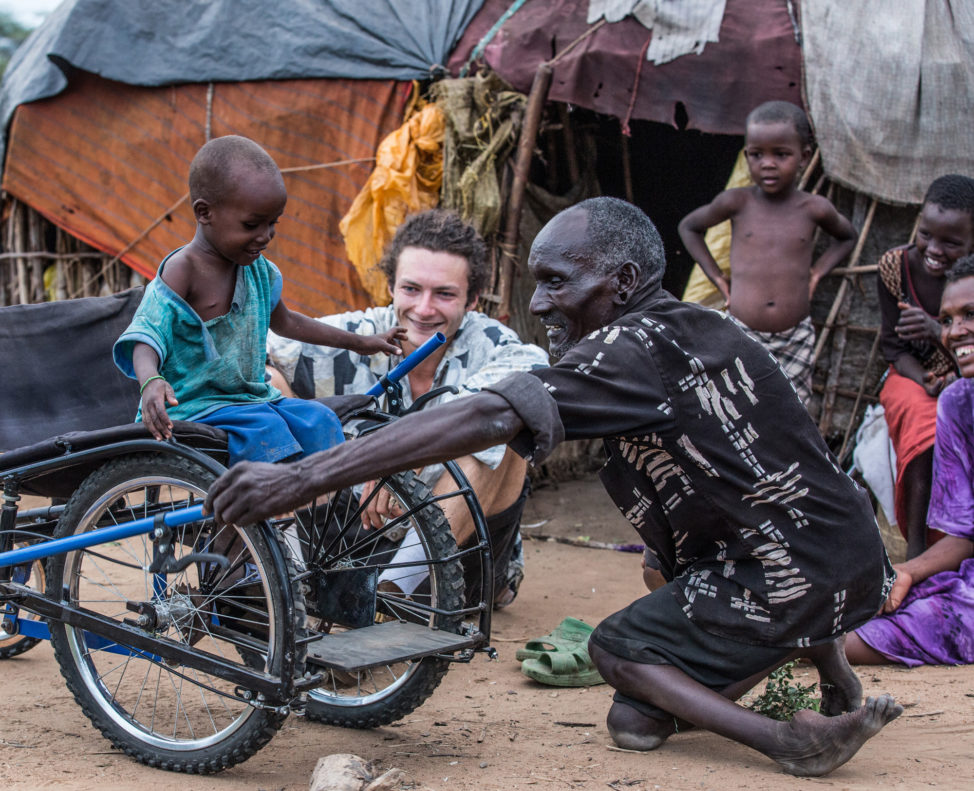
[[757, 59], [51, 385], [164, 42]]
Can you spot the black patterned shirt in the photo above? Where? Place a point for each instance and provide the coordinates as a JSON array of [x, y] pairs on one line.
[[713, 459]]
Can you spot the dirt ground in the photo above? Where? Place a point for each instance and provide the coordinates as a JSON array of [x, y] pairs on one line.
[[490, 727]]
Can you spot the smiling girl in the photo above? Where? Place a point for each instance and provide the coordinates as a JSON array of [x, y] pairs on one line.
[[928, 613], [910, 286]]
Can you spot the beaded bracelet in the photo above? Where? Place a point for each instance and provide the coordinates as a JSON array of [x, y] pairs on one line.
[[157, 376]]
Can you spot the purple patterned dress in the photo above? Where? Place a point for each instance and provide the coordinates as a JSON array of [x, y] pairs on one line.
[[935, 623]]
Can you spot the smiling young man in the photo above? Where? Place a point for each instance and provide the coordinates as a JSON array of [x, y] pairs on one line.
[[436, 266], [712, 458]]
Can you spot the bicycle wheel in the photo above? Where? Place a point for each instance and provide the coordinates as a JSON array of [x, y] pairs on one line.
[[12, 645], [160, 712], [334, 545]]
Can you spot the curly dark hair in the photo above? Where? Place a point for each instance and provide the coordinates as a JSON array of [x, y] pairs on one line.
[[771, 112], [964, 267], [440, 231], [952, 191]]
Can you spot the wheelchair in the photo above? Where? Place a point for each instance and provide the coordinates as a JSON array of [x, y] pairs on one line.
[[187, 644]]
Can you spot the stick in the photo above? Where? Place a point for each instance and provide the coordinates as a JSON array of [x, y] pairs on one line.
[[50, 256], [584, 542], [626, 168], [525, 150], [862, 389], [808, 171], [840, 296]]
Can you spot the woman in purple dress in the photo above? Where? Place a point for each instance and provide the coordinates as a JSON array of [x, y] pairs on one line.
[[928, 617]]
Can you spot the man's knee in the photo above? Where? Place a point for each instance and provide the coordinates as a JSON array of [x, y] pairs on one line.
[[276, 379], [499, 488]]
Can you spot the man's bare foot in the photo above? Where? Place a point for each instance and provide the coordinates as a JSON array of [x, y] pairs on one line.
[[812, 745], [841, 689], [634, 731]]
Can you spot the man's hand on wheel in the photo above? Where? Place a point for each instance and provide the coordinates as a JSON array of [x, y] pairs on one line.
[[251, 491]]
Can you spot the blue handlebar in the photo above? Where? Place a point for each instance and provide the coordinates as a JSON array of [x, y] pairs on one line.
[[408, 363]]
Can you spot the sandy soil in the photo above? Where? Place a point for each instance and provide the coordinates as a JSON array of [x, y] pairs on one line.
[[489, 727]]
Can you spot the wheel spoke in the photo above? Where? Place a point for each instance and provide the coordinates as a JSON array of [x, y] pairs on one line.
[[335, 542], [159, 710]]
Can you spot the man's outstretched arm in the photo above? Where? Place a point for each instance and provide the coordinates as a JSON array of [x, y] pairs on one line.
[[251, 491]]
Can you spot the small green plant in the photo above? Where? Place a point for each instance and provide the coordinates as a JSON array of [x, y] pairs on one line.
[[782, 698]]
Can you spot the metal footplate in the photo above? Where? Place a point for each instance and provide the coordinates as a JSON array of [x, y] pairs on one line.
[[385, 644]]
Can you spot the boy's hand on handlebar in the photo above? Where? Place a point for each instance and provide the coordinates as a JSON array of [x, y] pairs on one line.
[[156, 395], [387, 342], [379, 508]]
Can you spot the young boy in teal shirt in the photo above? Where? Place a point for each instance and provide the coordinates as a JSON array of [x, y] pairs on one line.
[[197, 342]]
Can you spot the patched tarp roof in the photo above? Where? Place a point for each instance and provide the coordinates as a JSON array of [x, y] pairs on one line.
[[756, 59], [166, 42]]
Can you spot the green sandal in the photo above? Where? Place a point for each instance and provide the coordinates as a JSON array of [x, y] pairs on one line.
[[563, 669], [565, 637]]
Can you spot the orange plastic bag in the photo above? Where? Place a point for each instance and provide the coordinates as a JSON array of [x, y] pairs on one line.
[[406, 179]]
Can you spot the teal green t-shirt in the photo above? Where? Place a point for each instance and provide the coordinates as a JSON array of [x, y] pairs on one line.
[[210, 364]]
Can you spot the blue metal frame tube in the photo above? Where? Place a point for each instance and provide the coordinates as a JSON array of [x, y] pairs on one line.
[[102, 535]]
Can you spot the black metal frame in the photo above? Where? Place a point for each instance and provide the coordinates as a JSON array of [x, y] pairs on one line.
[[255, 687]]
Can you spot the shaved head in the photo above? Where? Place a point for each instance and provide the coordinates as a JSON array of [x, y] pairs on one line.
[[213, 171]]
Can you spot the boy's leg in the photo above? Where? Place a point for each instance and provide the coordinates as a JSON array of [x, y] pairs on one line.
[[810, 744]]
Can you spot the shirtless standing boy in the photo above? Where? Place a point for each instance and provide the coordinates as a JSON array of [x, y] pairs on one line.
[[773, 225]]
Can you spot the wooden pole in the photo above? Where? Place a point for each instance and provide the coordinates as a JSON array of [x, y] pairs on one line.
[[626, 168], [17, 241], [862, 390], [835, 367], [844, 286], [35, 234], [803, 182], [568, 135], [525, 150]]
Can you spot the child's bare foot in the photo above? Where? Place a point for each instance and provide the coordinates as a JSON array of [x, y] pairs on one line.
[[634, 731], [812, 745], [841, 689]]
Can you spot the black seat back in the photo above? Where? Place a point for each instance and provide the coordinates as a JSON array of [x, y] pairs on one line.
[[57, 371]]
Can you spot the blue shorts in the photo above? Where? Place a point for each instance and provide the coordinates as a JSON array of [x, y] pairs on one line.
[[276, 430]]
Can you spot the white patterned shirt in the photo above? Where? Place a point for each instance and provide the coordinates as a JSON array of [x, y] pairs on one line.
[[482, 352]]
